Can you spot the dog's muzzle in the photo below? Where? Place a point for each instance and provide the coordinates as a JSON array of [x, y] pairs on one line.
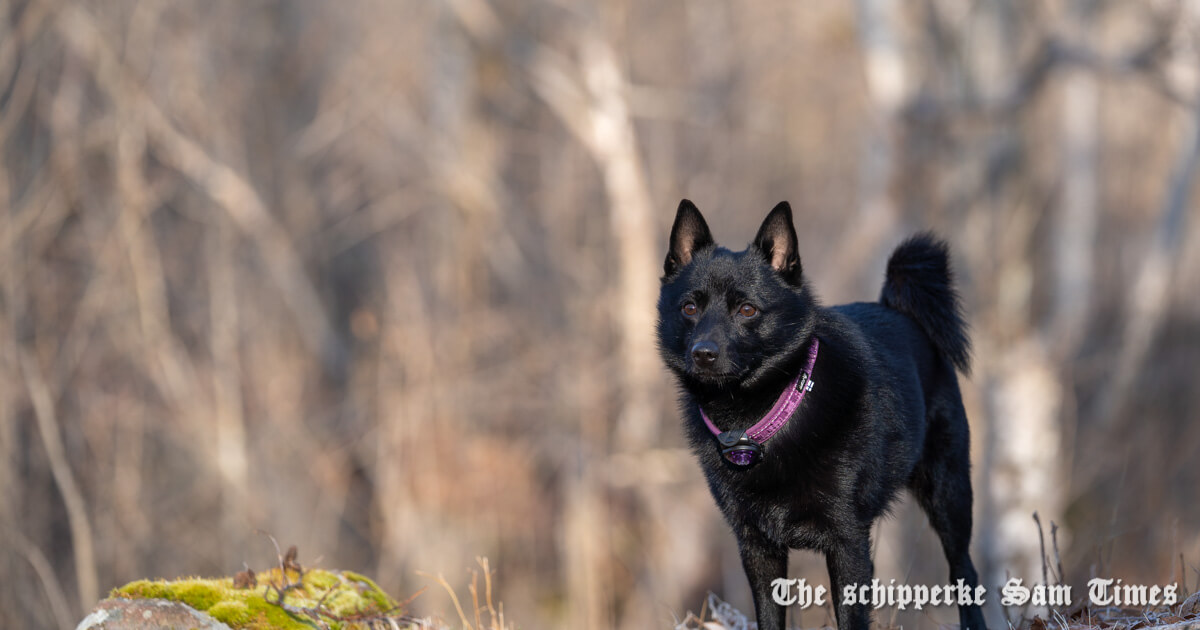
[[738, 449]]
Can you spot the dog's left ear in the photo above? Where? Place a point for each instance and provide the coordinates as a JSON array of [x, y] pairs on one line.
[[776, 241]]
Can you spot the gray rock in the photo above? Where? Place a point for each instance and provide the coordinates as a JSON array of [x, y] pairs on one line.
[[147, 614]]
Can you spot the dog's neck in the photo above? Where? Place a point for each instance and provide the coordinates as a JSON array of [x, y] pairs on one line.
[[731, 414]]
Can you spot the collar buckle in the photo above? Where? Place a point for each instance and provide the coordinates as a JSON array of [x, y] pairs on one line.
[[738, 448]]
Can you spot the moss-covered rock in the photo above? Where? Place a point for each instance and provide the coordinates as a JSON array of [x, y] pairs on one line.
[[338, 600]]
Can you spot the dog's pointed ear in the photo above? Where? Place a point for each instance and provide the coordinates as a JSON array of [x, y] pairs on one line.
[[689, 234], [776, 241]]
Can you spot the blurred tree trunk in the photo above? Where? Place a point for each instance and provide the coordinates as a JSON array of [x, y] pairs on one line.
[[590, 100], [1076, 221], [863, 252], [880, 31], [1018, 456], [9, 392], [232, 461], [428, 307], [1149, 296], [613, 142]]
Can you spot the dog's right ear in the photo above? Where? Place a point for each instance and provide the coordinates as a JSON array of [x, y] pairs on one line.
[[689, 235]]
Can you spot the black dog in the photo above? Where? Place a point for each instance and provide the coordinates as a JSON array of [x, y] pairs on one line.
[[808, 420]]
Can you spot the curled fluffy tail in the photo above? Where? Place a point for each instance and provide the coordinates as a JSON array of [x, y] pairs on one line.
[[920, 284]]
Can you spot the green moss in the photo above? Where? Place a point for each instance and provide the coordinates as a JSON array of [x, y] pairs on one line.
[[134, 590], [198, 593], [371, 591], [321, 580], [261, 615], [201, 594], [344, 593], [232, 613]]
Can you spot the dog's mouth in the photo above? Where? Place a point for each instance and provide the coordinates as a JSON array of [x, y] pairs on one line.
[[718, 378]]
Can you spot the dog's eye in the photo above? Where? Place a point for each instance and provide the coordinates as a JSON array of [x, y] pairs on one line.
[[747, 310], [690, 309]]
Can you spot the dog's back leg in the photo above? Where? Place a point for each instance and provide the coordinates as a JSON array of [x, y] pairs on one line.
[[942, 486]]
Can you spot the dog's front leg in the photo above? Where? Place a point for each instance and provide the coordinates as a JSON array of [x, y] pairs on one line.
[[849, 564], [763, 561]]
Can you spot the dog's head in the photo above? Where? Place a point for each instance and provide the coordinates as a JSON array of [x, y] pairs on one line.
[[731, 319]]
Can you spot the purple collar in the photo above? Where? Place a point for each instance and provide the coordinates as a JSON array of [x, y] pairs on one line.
[[743, 448]]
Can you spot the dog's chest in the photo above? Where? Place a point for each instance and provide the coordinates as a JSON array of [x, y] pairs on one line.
[[798, 516], [797, 530]]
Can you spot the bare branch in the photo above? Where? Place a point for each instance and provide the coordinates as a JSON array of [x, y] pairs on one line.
[[41, 565], [595, 111], [230, 190], [77, 516], [1149, 296]]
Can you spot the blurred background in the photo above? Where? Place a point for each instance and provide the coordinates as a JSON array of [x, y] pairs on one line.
[[378, 277]]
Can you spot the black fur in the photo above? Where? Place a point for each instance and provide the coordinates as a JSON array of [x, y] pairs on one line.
[[921, 285], [885, 412]]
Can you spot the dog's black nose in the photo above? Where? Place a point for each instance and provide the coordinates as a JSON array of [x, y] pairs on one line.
[[705, 353]]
